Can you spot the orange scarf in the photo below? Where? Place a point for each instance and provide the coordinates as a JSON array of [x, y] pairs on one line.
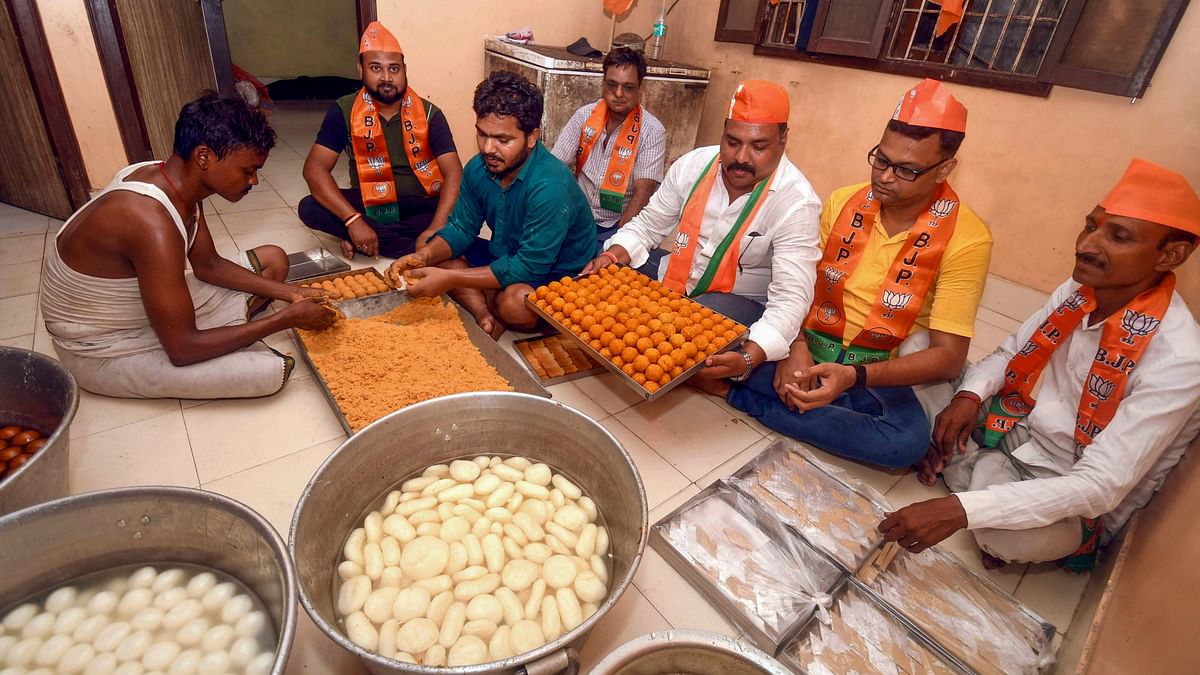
[[1123, 340], [374, 165], [903, 291], [620, 163], [722, 267]]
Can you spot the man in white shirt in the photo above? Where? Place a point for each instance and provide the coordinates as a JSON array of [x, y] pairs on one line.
[[748, 235], [1118, 356], [615, 146]]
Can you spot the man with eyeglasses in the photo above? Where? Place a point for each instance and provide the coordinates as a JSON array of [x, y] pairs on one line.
[[615, 146], [904, 262], [747, 232]]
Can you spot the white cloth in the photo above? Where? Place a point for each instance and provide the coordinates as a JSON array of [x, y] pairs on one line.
[[779, 252], [1119, 472], [651, 155]]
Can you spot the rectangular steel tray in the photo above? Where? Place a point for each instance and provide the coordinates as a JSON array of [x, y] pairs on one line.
[[314, 262], [360, 308], [848, 586], [717, 597], [629, 381], [550, 381]]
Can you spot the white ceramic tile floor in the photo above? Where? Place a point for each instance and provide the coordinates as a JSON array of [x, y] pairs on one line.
[[264, 451]]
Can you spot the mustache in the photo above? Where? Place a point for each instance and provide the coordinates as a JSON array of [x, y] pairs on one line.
[[742, 167], [1090, 260]]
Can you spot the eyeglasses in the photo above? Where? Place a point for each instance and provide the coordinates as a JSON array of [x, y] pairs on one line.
[[881, 163]]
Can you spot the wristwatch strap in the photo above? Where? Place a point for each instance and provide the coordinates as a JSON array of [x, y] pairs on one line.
[[749, 368], [860, 375]]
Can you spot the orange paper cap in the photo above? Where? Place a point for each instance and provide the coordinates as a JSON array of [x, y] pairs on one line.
[[930, 104], [1147, 191], [759, 102], [376, 38]]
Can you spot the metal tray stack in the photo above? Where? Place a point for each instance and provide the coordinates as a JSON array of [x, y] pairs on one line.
[[373, 305], [937, 615], [621, 375]]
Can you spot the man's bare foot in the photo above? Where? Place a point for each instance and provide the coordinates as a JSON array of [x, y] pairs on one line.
[[710, 386], [490, 325], [991, 562]]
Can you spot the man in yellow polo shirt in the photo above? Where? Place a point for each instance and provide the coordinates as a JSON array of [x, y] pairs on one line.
[[902, 258]]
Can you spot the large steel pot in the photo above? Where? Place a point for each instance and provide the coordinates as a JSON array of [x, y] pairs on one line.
[[687, 651], [358, 475], [35, 390], [49, 544]]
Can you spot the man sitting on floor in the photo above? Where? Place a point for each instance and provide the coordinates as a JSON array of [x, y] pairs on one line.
[[405, 171], [542, 227], [747, 232], [1118, 357], [127, 315], [902, 254], [615, 146]]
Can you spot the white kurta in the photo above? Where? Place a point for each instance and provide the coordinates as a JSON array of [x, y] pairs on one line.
[[779, 252], [1119, 472]]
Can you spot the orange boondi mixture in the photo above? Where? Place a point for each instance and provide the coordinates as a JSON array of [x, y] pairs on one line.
[[416, 352]]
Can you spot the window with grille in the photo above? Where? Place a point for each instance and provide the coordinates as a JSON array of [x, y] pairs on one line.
[[1111, 46]]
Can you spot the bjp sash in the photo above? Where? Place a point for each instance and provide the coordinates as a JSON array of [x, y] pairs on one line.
[[620, 163], [722, 267], [903, 291], [1123, 340], [374, 165]]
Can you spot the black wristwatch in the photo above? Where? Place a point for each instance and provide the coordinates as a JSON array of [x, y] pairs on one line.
[[749, 367], [860, 375]]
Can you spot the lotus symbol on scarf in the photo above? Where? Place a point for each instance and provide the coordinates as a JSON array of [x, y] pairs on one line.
[[1100, 387], [942, 208], [832, 276], [828, 314], [1029, 348], [1137, 324], [895, 301], [1074, 302], [376, 162], [589, 133], [624, 153]]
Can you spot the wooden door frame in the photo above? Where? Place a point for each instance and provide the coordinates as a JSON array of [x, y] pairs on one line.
[[118, 74], [52, 106]]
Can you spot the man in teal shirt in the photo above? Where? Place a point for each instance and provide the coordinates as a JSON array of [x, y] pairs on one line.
[[542, 226]]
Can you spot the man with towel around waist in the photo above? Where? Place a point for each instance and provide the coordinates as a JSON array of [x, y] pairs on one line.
[[137, 299], [615, 146], [902, 256], [1117, 354], [747, 241], [404, 169]]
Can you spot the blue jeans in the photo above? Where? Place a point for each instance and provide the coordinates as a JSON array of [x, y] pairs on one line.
[[878, 425]]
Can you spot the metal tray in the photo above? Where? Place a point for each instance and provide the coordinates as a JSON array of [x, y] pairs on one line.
[[550, 381], [314, 262], [779, 447], [1045, 628], [372, 305], [629, 381], [832, 577], [847, 587]]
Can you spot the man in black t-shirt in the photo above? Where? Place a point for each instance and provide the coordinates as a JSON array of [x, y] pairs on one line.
[[404, 169]]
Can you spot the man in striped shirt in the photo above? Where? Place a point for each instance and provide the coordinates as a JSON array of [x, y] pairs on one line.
[[615, 146]]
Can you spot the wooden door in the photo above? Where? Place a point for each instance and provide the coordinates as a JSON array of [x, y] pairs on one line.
[[166, 44], [41, 170]]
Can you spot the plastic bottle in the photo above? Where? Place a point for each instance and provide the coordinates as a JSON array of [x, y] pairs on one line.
[[658, 41]]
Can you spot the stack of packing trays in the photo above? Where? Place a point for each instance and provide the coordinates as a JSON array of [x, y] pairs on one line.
[[927, 612]]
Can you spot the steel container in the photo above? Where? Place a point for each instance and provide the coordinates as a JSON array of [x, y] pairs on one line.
[[44, 546], [687, 651], [355, 479], [36, 391]]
